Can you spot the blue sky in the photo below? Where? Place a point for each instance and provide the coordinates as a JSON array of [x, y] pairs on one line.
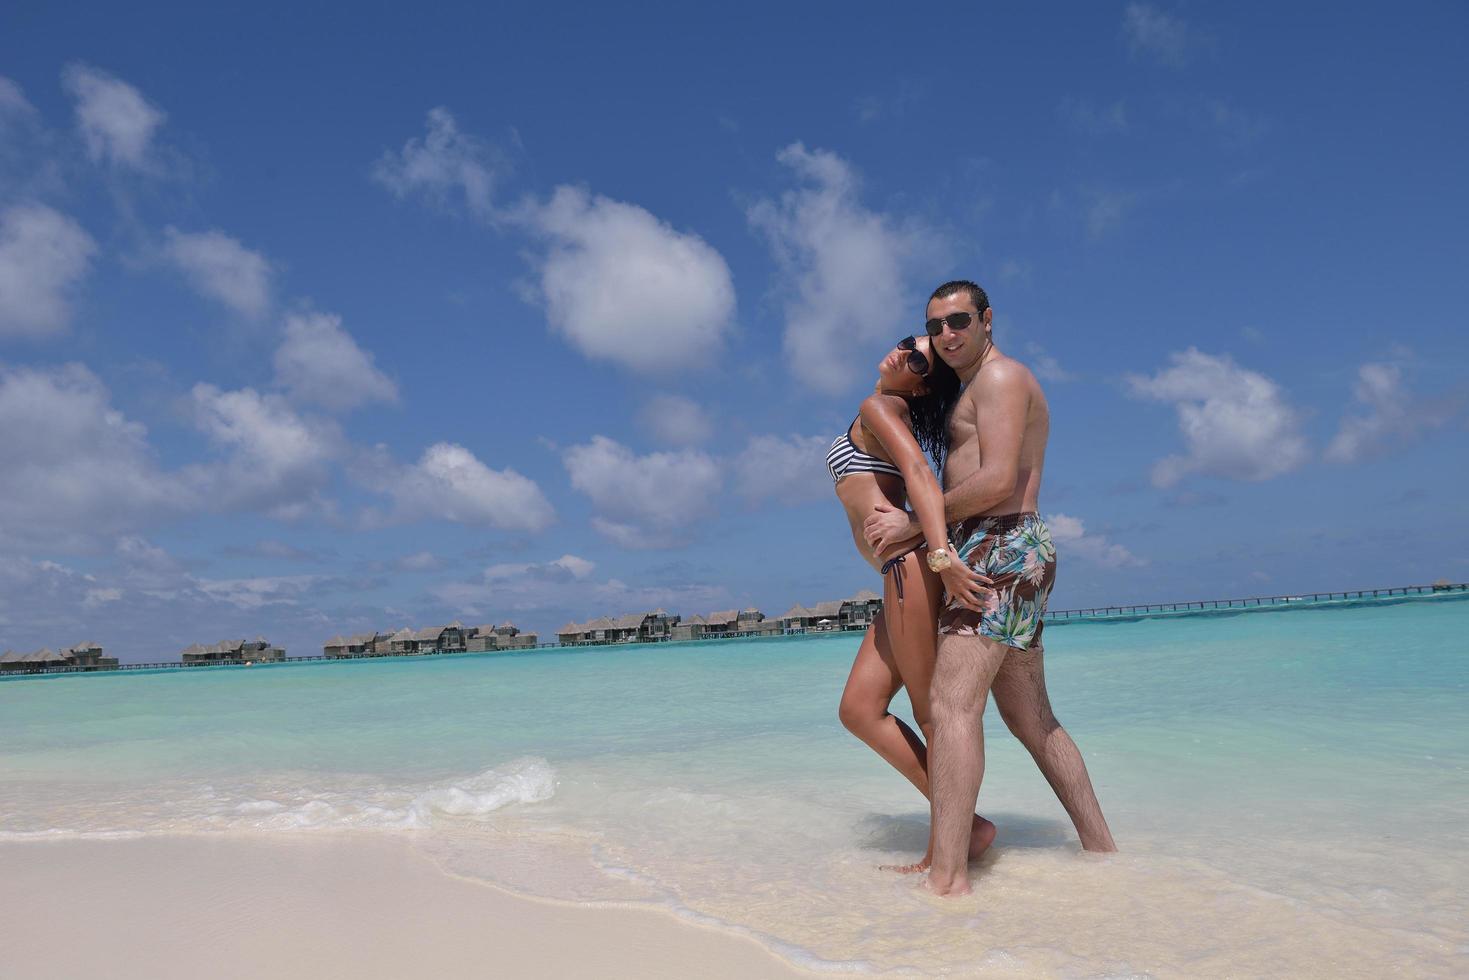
[[315, 321]]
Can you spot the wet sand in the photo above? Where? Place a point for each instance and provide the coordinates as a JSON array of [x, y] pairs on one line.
[[357, 906]]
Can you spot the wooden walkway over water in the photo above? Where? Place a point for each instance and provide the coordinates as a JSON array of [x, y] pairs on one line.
[[1255, 602]]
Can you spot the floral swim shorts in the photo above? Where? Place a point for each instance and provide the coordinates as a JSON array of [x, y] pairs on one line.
[[1016, 553]]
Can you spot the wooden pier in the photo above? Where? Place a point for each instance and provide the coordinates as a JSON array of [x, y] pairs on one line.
[[1254, 602]]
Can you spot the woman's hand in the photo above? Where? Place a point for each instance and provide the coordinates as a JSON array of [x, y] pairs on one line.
[[966, 585]]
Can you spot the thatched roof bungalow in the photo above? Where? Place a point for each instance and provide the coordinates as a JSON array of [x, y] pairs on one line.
[[856, 612], [506, 636], [86, 656], [257, 650], [357, 645], [690, 627]]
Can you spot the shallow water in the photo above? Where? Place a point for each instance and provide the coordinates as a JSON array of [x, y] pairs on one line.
[[1287, 789]]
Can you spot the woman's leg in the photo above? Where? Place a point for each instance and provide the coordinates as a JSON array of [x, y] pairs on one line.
[[864, 707], [912, 625]]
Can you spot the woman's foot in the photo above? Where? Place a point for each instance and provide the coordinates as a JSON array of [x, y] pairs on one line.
[[981, 836]]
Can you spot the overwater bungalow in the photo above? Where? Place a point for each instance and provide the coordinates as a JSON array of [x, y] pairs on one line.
[[42, 659], [440, 639], [642, 627], [506, 636], [257, 651], [855, 613], [690, 627], [83, 656], [722, 621], [88, 655], [453, 638], [600, 630], [357, 645], [401, 642]]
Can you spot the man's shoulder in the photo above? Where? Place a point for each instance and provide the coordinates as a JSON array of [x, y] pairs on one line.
[[1002, 374]]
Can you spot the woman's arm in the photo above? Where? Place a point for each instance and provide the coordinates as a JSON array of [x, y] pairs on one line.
[[886, 417]]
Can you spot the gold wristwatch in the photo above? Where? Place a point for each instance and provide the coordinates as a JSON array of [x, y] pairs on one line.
[[939, 559]]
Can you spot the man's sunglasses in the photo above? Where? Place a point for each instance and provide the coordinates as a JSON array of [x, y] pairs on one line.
[[917, 360], [956, 322]]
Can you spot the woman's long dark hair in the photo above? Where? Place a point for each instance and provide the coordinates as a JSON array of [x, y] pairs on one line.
[[930, 413]]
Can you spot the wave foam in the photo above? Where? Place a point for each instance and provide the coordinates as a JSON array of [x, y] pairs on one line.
[[528, 780], [522, 781]]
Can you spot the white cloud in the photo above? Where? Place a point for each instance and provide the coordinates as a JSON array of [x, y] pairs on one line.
[[1045, 366], [43, 256], [565, 568], [255, 593], [75, 469], [892, 104], [843, 267], [221, 268], [1105, 210], [1393, 419], [13, 101], [279, 461], [1235, 127], [419, 561], [643, 501], [1159, 35], [1012, 271], [146, 605], [521, 586], [30, 166], [617, 596], [98, 597], [625, 287], [567, 589], [1071, 536], [1092, 119], [790, 469], [443, 167], [116, 122], [677, 420], [320, 362], [1236, 423], [450, 483]]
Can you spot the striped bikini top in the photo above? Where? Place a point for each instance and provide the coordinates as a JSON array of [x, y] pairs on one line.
[[844, 457]]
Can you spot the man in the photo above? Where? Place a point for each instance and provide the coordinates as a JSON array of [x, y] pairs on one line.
[[991, 639]]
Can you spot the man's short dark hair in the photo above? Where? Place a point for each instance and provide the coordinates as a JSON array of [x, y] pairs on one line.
[[976, 294]]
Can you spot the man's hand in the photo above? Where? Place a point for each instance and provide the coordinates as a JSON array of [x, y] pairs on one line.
[[966, 585], [887, 528]]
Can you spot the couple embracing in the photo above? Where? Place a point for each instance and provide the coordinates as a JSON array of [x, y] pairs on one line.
[[966, 575]]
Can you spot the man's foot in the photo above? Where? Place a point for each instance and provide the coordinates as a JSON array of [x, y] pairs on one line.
[[947, 889], [981, 836]]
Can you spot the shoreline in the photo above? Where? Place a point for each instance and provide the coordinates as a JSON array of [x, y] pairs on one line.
[[364, 906]]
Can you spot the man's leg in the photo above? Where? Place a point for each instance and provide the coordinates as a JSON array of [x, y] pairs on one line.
[[913, 637], [961, 681], [1020, 695]]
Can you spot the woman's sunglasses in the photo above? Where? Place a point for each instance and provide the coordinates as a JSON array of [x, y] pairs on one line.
[[917, 360], [956, 321]]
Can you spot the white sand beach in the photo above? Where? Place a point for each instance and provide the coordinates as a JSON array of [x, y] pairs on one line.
[[345, 905]]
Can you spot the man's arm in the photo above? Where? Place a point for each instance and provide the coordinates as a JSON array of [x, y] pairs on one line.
[[1001, 405]]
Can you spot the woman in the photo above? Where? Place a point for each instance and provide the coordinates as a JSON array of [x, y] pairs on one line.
[[880, 459]]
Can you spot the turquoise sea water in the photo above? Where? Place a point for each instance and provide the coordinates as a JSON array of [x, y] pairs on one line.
[[1288, 789]]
